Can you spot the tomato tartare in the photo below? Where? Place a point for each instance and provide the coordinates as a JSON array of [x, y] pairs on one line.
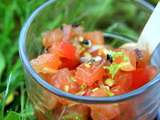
[[82, 63]]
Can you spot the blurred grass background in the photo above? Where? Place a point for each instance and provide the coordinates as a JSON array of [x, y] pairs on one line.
[[14, 104]]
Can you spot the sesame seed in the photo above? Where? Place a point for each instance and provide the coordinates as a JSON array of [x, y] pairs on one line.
[[105, 51], [87, 65], [87, 54], [66, 88], [80, 38], [95, 89], [48, 70]]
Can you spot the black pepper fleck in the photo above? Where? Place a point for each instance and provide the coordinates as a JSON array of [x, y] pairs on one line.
[[109, 58]]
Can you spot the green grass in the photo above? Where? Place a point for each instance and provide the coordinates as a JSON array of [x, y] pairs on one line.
[[14, 103]]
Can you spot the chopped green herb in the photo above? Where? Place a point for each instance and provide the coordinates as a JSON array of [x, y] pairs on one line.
[[72, 79], [107, 90], [83, 87], [113, 69], [116, 54], [72, 116], [109, 82], [126, 58], [95, 89], [109, 93]]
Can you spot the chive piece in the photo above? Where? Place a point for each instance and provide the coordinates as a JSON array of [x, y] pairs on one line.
[[109, 82], [113, 69], [110, 94]]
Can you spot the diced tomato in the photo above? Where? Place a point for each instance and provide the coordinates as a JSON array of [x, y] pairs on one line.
[[123, 83], [95, 37], [46, 63], [104, 112], [52, 37], [64, 49], [40, 115], [77, 112], [71, 64], [123, 70], [64, 101], [89, 75], [62, 80], [56, 113], [96, 84], [129, 107], [67, 50], [141, 76], [46, 77], [67, 53]]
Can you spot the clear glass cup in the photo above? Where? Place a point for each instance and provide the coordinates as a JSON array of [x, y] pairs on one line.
[[51, 103]]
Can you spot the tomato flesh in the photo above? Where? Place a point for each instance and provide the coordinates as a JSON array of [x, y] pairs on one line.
[[62, 81], [104, 112], [67, 53], [75, 112], [50, 38], [89, 76], [141, 76], [95, 37], [123, 82], [46, 63]]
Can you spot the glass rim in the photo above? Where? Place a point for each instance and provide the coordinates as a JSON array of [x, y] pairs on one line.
[[85, 99]]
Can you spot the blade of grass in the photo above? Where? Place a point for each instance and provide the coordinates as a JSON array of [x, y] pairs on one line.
[[22, 101], [2, 64], [5, 97], [12, 116]]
